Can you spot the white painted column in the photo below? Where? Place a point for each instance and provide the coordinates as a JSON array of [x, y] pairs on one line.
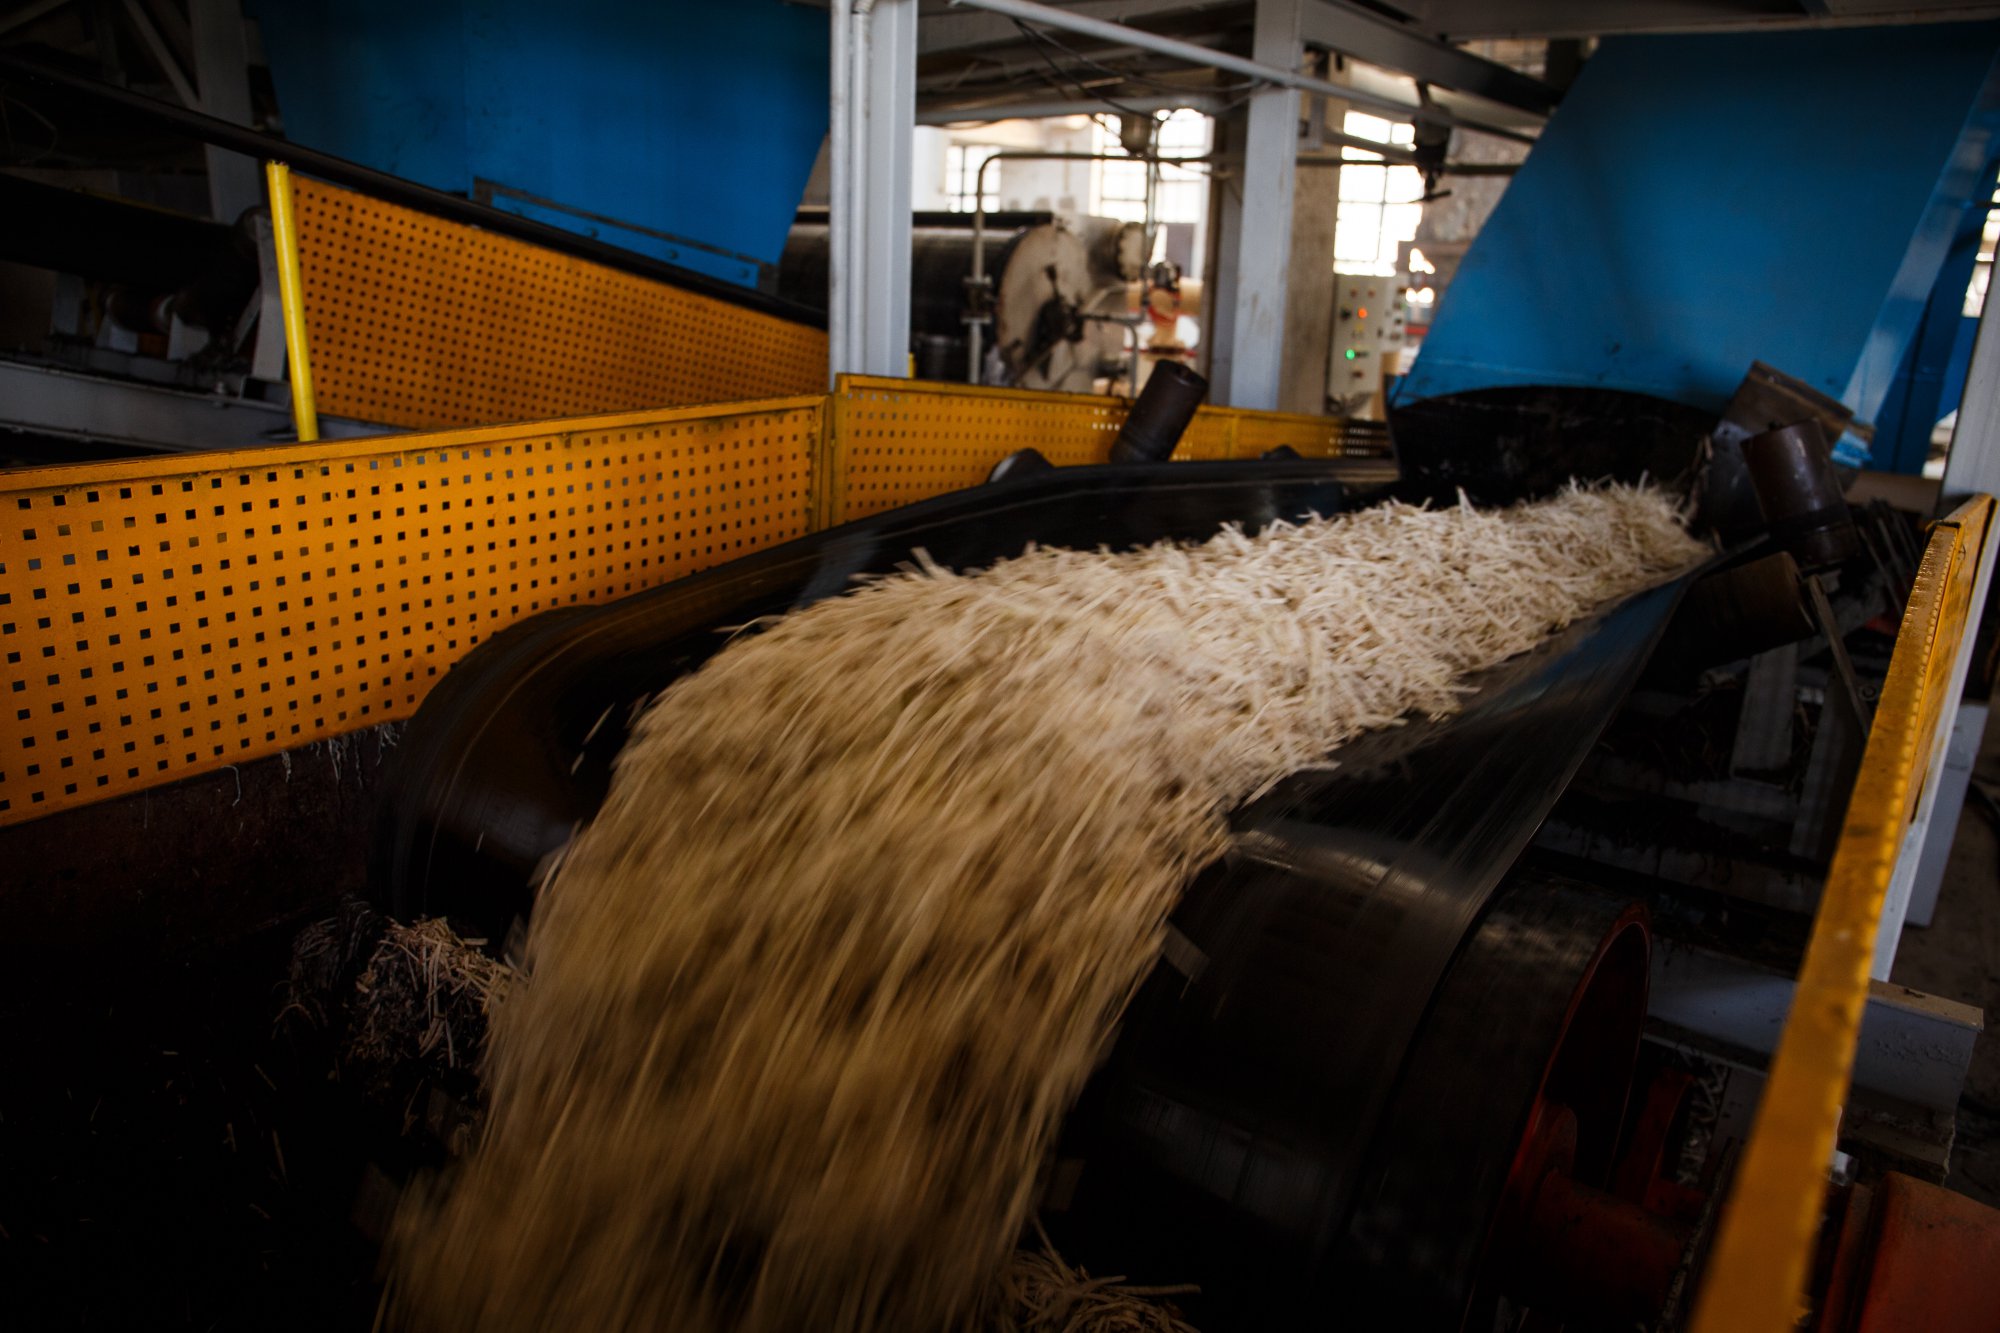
[[874, 109], [1247, 363]]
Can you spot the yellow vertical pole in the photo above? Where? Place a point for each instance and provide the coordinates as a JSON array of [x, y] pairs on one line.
[[292, 295]]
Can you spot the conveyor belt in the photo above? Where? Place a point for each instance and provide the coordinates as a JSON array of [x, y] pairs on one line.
[[1244, 1100], [514, 747], [1235, 1129]]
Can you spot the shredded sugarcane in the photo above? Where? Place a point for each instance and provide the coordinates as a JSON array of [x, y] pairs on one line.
[[807, 1001]]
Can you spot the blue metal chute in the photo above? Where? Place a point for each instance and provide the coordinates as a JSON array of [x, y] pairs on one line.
[[660, 128], [1702, 202]]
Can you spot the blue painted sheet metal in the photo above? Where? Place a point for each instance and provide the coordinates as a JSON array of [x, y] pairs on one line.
[[1700, 202], [679, 118], [1932, 374]]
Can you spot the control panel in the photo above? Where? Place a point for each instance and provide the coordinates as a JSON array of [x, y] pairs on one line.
[[1369, 320]]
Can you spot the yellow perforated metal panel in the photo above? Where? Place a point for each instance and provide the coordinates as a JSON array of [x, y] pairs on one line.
[[1212, 434], [1257, 433], [160, 618], [416, 321], [897, 441]]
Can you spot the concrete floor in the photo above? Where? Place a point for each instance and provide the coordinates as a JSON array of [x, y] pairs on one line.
[[1958, 957]]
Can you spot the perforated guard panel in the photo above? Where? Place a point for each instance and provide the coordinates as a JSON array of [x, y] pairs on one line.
[[416, 321], [161, 618], [899, 441], [164, 617]]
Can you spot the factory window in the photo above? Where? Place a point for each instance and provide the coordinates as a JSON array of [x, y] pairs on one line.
[[1118, 189], [1379, 206], [961, 176]]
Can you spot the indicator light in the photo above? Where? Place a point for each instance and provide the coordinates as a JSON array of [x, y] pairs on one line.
[[1350, 354]]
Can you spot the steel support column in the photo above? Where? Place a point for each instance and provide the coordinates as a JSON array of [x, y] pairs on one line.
[[874, 120], [222, 76], [1247, 362]]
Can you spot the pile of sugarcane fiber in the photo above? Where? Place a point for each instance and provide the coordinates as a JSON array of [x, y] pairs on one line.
[[807, 1001]]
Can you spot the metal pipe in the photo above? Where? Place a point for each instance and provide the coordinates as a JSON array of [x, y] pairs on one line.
[[381, 185], [291, 292], [1131, 324], [1395, 157], [1194, 100], [1028, 11], [1159, 415], [839, 216], [974, 322]]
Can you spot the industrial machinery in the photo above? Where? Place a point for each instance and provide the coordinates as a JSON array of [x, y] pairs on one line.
[[1390, 1062], [1051, 293], [1412, 1049], [1369, 322], [1314, 962], [1467, 1032]]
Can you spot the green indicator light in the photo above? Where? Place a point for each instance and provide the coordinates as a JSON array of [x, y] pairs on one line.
[[1350, 354]]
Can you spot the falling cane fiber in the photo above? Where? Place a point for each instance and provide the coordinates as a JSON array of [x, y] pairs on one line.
[[806, 1003]]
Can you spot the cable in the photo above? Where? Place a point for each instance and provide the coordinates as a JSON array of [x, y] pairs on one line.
[[1073, 88], [1039, 35], [1040, 40]]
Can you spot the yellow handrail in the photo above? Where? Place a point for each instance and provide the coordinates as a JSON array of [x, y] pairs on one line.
[[291, 292], [1756, 1275]]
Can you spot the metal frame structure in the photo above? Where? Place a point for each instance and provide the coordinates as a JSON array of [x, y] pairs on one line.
[[222, 82], [53, 400], [1763, 1250], [1247, 362], [870, 142], [874, 109], [265, 598], [222, 133]]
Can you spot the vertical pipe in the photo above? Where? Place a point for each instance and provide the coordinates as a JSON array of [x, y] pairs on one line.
[[882, 93], [976, 325], [291, 293], [839, 217]]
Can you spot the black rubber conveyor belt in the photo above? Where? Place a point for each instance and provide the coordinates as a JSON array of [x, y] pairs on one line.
[[1235, 1120], [1246, 1094]]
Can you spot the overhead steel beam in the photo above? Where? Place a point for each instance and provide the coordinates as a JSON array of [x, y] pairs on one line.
[[949, 114], [1352, 30], [961, 30], [1467, 19], [163, 54], [1068, 20]]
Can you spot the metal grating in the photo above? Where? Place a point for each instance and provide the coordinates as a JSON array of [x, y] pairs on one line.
[[160, 618], [897, 441], [1212, 434], [1314, 437], [416, 321]]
